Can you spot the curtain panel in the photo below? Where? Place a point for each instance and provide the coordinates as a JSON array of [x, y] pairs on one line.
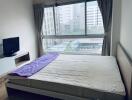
[[38, 16], [106, 11]]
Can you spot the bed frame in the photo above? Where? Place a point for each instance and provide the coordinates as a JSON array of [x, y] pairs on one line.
[[125, 66]]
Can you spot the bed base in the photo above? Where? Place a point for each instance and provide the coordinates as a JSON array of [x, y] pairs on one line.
[[14, 94], [47, 93], [125, 66]]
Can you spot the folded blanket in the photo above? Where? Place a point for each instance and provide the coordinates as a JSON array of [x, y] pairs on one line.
[[35, 66]]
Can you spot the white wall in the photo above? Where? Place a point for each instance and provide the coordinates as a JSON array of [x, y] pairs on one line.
[[116, 19], [126, 26], [16, 19]]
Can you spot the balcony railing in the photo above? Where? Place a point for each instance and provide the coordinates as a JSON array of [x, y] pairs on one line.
[[92, 46]]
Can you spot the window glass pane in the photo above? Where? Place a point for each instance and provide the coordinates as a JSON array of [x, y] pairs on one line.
[[94, 19], [70, 19], [74, 46], [48, 23]]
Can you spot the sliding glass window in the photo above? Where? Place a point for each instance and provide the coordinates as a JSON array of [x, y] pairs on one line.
[[74, 28]]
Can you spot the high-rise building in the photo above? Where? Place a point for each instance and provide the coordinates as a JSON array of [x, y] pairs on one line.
[[94, 19], [64, 16], [79, 18], [48, 24]]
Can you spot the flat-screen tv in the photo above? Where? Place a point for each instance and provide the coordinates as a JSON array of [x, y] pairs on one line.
[[10, 46]]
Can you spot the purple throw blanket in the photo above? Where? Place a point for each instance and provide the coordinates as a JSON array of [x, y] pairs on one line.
[[35, 66]]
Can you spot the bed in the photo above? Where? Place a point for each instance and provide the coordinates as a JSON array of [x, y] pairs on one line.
[[80, 77]]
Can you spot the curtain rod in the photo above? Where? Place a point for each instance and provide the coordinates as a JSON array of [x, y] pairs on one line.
[[60, 4]]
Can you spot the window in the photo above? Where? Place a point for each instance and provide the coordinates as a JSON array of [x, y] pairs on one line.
[[70, 19], [75, 28]]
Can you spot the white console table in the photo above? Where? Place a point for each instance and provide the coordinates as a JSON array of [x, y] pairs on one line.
[[8, 64]]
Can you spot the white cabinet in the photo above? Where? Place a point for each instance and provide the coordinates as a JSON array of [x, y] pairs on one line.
[[8, 64]]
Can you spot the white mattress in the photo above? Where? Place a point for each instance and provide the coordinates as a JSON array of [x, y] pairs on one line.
[[99, 73]]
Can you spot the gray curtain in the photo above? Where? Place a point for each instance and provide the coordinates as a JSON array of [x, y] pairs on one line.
[[106, 11], [38, 16]]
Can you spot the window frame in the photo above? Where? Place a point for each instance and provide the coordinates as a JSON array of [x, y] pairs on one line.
[[56, 36]]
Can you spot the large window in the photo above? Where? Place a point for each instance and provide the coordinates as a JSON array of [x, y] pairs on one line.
[[75, 28]]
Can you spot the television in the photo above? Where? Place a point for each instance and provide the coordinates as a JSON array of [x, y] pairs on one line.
[[10, 46]]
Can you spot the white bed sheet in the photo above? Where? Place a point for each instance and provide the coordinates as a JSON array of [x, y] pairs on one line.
[[91, 72]]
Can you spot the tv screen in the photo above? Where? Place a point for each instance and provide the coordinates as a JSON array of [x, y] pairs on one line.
[[10, 46]]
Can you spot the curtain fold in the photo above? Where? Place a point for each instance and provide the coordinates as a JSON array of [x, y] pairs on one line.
[[38, 16], [106, 11]]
